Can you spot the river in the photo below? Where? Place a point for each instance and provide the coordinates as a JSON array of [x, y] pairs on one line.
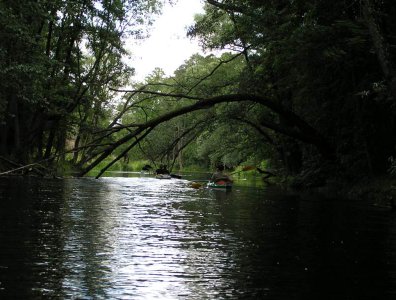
[[145, 238]]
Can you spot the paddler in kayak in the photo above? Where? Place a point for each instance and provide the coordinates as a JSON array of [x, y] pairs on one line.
[[218, 180], [220, 177], [162, 170]]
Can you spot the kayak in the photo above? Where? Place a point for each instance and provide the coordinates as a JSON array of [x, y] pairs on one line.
[[176, 176], [219, 185], [163, 176]]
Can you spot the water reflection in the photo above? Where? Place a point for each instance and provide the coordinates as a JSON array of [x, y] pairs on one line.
[[143, 238], [132, 237]]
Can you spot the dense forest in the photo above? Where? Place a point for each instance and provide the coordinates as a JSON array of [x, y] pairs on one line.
[[305, 88]]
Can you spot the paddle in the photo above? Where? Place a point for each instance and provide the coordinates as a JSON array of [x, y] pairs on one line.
[[197, 185]]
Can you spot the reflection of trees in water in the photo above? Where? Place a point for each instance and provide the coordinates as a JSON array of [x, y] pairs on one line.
[[87, 238], [208, 262], [89, 217], [30, 239], [307, 247]]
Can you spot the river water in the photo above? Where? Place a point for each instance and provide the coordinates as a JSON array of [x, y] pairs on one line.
[[144, 238]]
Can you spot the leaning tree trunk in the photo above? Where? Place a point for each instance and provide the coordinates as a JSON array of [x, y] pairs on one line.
[[304, 131]]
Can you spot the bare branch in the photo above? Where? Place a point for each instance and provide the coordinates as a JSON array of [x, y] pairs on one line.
[[185, 133], [308, 133], [162, 94], [227, 7], [124, 152], [257, 127], [192, 138], [222, 62]]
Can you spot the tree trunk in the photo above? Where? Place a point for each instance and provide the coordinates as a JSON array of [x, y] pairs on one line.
[[75, 153], [17, 133], [51, 138], [304, 133], [3, 138]]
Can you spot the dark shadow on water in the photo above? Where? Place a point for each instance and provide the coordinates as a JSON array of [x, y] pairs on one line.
[[141, 237]]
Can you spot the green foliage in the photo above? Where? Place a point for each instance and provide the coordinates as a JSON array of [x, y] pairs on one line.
[[200, 139], [316, 60], [58, 60], [315, 57]]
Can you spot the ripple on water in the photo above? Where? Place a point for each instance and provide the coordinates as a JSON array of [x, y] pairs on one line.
[[152, 245], [143, 238]]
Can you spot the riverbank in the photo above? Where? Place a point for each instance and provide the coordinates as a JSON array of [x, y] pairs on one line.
[[377, 191]]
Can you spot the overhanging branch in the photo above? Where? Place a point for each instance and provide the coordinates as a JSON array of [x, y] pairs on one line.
[[304, 128]]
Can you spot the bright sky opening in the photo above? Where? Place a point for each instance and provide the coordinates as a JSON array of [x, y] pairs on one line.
[[168, 46]]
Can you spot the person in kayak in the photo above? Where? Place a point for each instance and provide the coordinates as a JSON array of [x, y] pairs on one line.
[[147, 168], [162, 170], [219, 175]]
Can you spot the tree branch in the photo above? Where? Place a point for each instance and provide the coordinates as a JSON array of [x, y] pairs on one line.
[[123, 153], [306, 130], [380, 46], [227, 7]]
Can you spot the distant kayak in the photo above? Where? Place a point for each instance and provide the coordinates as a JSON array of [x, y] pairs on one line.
[[163, 176], [219, 185], [176, 176]]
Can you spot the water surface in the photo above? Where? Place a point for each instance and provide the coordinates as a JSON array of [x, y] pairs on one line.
[[144, 238]]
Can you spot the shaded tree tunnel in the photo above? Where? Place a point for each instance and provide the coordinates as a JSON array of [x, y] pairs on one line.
[[301, 130], [317, 76]]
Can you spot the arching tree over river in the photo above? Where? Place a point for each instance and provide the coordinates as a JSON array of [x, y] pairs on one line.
[[311, 82]]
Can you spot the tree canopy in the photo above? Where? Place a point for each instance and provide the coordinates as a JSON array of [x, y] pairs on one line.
[[308, 86]]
